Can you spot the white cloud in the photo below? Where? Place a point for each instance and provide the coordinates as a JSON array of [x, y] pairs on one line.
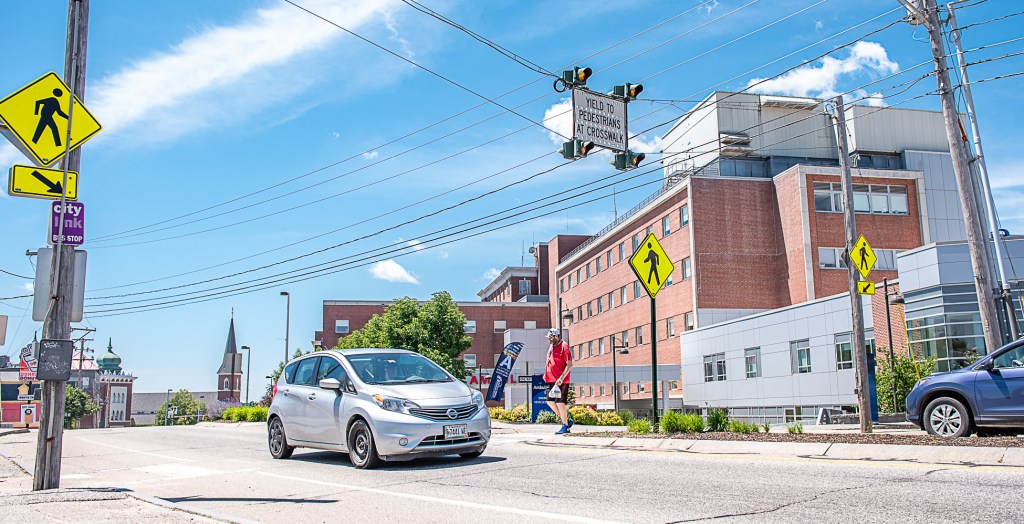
[[711, 7], [392, 272], [335, 134], [224, 73], [371, 155], [416, 245], [818, 25], [27, 286], [820, 80], [491, 274]]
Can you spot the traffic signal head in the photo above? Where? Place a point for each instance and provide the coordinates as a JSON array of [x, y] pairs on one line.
[[636, 158], [619, 161], [576, 149], [578, 76], [583, 148], [627, 160], [627, 91], [568, 150]]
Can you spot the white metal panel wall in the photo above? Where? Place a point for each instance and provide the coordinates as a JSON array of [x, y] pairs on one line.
[[893, 129], [693, 141]]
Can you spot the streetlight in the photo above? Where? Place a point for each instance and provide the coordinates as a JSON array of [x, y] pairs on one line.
[[167, 408], [888, 321], [248, 366], [615, 376], [287, 323]]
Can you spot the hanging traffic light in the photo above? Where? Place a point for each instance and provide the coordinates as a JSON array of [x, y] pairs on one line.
[[583, 148], [568, 150], [576, 149], [628, 91], [577, 77], [627, 160]]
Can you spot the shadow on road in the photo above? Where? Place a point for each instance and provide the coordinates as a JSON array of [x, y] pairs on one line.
[[245, 499], [425, 463]]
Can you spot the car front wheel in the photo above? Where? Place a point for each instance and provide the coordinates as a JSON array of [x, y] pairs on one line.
[[362, 451], [277, 440], [947, 417]]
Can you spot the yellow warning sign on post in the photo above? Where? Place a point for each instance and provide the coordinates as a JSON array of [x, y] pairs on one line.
[[866, 287], [39, 182], [37, 120], [863, 257], [651, 265]]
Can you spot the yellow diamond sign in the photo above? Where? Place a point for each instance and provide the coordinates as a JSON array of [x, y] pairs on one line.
[[37, 118], [863, 257], [651, 265], [39, 182]]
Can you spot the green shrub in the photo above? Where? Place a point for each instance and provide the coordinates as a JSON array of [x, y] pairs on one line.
[[718, 420], [738, 426], [692, 423], [766, 427], [498, 413], [256, 414], [671, 422], [583, 415], [640, 426], [609, 419], [233, 414], [519, 413], [626, 416], [547, 417], [795, 428]]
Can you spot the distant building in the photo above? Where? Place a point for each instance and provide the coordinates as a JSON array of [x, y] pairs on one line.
[[19, 399], [115, 390], [229, 375]]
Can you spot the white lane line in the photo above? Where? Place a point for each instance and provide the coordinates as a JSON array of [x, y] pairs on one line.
[[450, 502], [140, 452]]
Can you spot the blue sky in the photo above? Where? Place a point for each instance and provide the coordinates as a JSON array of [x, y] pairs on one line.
[[205, 105]]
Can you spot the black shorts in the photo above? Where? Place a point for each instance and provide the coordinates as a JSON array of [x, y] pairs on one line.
[[562, 398]]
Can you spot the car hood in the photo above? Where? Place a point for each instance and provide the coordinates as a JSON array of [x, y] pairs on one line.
[[428, 393]]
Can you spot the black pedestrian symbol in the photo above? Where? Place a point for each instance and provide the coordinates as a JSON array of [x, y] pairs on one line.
[[46, 108], [863, 252], [652, 258]]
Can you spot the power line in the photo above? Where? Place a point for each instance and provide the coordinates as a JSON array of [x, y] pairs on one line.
[[15, 275]]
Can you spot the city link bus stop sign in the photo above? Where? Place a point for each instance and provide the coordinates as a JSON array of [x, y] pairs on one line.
[[651, 265], [37, 120]]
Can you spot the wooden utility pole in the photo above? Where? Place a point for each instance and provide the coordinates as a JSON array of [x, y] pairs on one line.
[[860, 354], [57, 325], [976, 241]]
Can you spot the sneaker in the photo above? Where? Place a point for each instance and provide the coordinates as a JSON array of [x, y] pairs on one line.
[[569, 425], [562, 431]]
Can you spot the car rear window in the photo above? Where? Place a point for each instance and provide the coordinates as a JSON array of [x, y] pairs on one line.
[[289, 372]]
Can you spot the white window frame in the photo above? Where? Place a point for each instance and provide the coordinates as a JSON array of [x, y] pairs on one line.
[[500, 326], [469, 359], [841, 340], [687, 269], [469, 326], [795, 349], [666, 226], [338, 326], [529, 324], [528, 285], [752, 356]]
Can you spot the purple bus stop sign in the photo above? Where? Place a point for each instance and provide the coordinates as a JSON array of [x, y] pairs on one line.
[[74, 223]]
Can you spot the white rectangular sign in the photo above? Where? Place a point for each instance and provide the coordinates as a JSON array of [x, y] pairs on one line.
[[3, 329], [600, 119], [41, 299]]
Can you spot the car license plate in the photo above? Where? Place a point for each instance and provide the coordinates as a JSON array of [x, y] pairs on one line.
[[457, 431]]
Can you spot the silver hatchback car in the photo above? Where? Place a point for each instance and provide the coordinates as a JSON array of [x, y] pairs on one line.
[[375, 404]]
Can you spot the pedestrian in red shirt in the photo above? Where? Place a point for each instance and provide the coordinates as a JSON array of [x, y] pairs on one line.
[[556, 375]]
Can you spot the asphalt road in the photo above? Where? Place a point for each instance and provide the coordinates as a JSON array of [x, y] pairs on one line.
[[226, 469]]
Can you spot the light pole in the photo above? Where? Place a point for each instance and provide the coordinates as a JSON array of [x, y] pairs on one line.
[[615, 375], [167, 408], [248, 366], [287, 323]]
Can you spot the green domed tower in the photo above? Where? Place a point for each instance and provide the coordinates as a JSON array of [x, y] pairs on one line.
[[109, 362]]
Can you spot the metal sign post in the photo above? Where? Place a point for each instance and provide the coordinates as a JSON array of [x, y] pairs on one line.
[[653, 267]]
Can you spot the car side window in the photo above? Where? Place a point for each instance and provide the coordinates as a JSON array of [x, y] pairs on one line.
[[331, 368], [289, 372], [1010, 359], [304, 371]]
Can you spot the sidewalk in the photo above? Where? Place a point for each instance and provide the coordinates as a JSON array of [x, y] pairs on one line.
[[824, 449]]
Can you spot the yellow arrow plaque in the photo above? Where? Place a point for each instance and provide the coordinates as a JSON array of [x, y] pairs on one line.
[[39, 182], [866, 287]]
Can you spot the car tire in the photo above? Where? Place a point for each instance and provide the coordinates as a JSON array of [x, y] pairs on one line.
[[947, 417], [472, 454], [277, 440], [362, 450]]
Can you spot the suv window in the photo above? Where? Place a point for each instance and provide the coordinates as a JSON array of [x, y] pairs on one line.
[[1010, 359], [304, 371], [331, 368]]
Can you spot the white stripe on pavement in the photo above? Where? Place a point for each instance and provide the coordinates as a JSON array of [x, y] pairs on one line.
[[451, 502]]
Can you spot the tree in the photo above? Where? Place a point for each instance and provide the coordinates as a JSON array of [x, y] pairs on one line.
[[77, 405], [908, 372], [186, 410], [435, 330]]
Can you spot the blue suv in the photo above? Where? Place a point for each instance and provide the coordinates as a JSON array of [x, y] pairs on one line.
[[986, 393]]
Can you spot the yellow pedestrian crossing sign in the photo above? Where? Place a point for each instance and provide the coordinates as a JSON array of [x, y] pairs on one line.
[[37, 117], [39, 182], [651, 265], [866, 287], [863, 257]]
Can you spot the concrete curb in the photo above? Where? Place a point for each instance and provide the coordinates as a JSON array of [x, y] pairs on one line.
[[12, 431], [958, 455], [174, 506]]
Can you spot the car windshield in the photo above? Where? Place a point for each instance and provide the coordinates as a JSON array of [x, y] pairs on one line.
[[396, 368]]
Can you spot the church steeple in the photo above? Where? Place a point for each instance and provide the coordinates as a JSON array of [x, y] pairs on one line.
[[109, 361], [229, 376]]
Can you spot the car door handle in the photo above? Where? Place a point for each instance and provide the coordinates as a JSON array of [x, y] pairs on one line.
[[311, 396]]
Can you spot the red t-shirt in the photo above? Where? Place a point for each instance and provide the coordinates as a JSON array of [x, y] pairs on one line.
[[558, 357]]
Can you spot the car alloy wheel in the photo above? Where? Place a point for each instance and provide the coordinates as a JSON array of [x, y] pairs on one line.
[[947, 417], [279, 447]]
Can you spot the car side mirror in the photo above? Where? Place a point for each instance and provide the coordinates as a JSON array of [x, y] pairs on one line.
[[985, 366], [331, 383]]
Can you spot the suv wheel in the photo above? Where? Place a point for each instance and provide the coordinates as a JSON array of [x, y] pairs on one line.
[[361, 449], [279, 447], [947, 417]]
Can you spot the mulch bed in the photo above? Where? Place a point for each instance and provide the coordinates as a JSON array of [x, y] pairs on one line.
[[843, 438]]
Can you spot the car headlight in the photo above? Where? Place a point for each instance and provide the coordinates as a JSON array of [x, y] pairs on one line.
[[398, 405], [921, 382], [478, 399]]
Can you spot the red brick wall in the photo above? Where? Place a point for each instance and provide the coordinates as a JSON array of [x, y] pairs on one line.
[[881, 231], [788, 198], [739, 244]]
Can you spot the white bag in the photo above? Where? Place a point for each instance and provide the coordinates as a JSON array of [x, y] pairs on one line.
[[556, 392]]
